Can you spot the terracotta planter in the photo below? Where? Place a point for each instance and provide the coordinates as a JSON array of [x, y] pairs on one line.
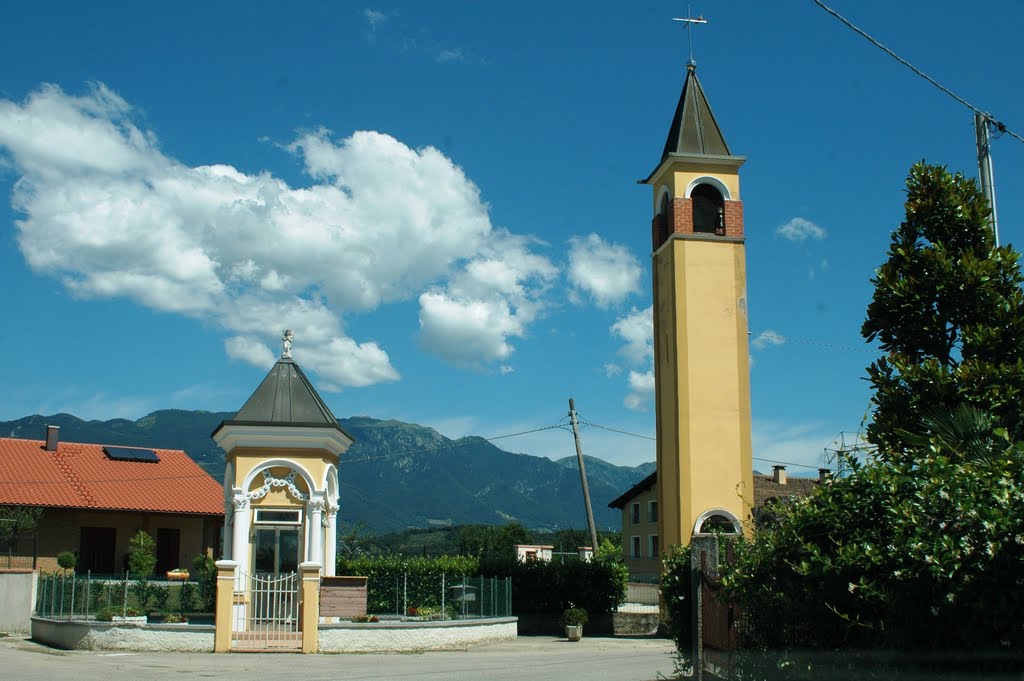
[[574, 632], [177, 576]]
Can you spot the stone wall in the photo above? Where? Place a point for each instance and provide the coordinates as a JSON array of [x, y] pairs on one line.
[[17, 598], [402, 637]]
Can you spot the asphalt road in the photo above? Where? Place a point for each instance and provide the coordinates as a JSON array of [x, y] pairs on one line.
[[533, 657]]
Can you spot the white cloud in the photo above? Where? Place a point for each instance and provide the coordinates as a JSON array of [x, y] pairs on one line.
[[106, 212], [452, 54], [608, 273], [637, 330], [249, 350], [767, 339], [375, 18], [612, 369], [799, 229]]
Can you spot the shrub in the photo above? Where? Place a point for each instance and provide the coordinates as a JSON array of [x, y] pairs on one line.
[[141, 555], [677, 590], [574, 617], [205, 570], [67, 560], [422, 578]]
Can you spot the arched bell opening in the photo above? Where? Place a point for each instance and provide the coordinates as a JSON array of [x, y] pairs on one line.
[[708, 210]]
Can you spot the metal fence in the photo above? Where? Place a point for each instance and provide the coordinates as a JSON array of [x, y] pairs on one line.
[[440, 597], [71, 596]]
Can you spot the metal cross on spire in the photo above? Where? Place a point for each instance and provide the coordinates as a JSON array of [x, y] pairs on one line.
[[690, 21]]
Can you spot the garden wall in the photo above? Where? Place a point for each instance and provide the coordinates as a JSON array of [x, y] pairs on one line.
[[79, 635], [17, 596], [407, 637]]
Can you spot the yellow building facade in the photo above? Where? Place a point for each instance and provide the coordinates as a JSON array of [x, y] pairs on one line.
[[701, 362]]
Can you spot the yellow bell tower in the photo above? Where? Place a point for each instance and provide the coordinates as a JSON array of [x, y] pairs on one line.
[[701, 360]]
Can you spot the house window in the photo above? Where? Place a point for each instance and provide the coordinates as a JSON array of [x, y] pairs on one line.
[[634, 547], [652, 546], [652, 511], [634, 514]]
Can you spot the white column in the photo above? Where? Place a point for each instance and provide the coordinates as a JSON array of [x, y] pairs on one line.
[[315, 530], [240, 537], [331, 548]]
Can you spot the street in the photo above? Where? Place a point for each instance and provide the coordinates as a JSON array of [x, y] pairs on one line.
[[532, 657]]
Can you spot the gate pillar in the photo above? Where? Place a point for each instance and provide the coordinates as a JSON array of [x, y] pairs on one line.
[[310, 614], [224, 610]]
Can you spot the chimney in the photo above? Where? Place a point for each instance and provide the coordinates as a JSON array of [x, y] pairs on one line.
[[824, 475], [779, 475], [52, 438]]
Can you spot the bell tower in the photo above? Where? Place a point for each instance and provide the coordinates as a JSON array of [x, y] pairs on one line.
[[701, 360]]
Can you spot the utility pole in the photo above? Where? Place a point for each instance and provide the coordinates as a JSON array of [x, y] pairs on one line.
[[988, 186], [583, 476]]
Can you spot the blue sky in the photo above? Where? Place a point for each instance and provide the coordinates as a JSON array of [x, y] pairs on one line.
[[441, 200]]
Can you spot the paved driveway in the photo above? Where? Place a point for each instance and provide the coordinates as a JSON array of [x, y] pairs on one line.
[[529, 658]]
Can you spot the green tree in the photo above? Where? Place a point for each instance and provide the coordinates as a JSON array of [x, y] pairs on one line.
[[947, 312], [492, 540], [16, 521]]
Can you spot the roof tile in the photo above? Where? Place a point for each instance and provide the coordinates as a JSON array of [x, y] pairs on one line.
[[83, 476]]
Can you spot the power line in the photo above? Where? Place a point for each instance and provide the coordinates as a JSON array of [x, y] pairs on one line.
[[988, 117], [648, 437], [452, 445]]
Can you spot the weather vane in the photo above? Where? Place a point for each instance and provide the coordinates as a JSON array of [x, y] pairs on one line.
[[286, 342], [690, 21]]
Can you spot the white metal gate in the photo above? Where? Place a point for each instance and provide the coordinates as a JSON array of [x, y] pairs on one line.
[[269, 618]]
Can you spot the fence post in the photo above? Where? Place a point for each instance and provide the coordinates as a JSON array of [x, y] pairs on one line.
[[74, 583], [444, 611], [310, 606], [405, 594], [88, 592], [124, 595], [224, 605]]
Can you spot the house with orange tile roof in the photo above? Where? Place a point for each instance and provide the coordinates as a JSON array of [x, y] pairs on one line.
[[96, 497]]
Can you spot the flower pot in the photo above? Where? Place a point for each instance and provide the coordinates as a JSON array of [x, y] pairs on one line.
[[177, 576], [574, 632]]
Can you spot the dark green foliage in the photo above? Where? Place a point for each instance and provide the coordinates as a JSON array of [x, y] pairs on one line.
[[204, 569], [141, 555], [491, 541], [67, 560], [415, 581], [16, 521], [573, 617], [947, 313], [677, 592], [598, 586]]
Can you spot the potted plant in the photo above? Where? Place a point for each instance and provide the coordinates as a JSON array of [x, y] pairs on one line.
[[573, 620], [178, 575]]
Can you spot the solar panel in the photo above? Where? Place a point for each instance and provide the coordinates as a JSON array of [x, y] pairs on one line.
[[131, 454]]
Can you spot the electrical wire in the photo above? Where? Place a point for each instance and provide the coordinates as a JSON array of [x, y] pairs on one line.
[[1000, 127], [453, 445]]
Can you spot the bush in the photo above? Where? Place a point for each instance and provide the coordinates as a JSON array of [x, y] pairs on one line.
[[67, 560], [205, 570], [573, 617], [141, 555], [423, 578], [598, 586], [677, 590]]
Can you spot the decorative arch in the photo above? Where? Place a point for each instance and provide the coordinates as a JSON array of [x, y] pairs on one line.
[[296, 469], [720, 517], [714, 182]]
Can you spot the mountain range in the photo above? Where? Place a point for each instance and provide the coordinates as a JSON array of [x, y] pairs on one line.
[[397, 475]]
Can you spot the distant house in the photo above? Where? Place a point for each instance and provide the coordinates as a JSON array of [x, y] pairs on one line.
[[639, 506], [96, 497], [533, 553]]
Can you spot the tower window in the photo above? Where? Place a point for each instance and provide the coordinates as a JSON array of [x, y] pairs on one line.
[[708, 210]]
